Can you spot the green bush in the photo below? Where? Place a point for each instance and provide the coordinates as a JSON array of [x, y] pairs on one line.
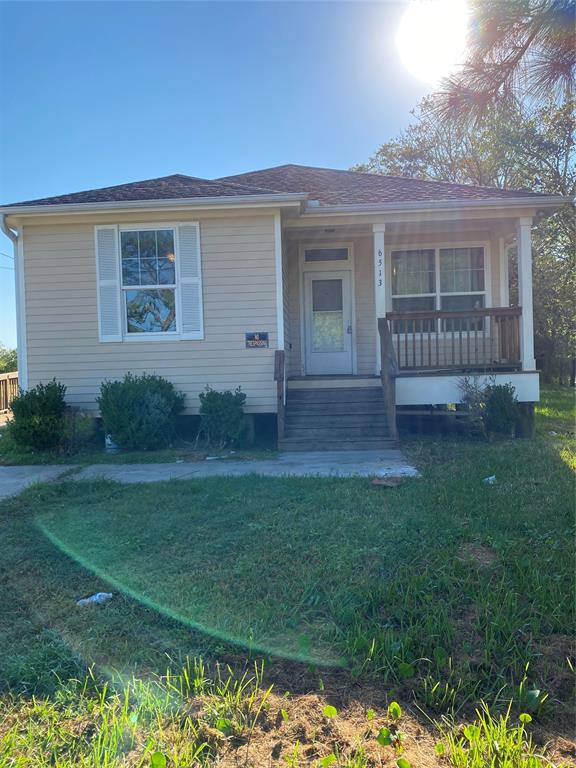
[[140, 412], [222, 416], [38, 413], [501, 411]]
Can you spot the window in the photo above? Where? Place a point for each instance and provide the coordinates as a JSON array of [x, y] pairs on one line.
[[149, 262], [414, 280], [438, 278], [149, 282], [326, 254]]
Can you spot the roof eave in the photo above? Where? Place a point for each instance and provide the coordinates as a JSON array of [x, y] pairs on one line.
[[237, 201], [555, 201]]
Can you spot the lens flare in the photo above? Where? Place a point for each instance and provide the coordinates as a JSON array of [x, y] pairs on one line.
[[431, 38]]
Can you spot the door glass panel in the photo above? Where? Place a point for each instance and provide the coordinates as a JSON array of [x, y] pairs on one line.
[[327, 316]]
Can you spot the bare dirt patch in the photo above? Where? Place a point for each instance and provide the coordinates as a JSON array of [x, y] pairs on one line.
[[477, 554], [296, 726]]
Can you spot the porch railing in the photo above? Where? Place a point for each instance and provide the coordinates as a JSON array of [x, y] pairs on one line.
[[388, 372], [8, 390], [478, 339], [280, 379]]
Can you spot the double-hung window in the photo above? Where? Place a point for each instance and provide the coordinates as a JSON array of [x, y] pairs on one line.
[[148, 263], [149, 282], [438, 279]]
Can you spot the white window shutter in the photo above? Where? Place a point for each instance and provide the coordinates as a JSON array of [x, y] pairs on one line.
[[190, 271], [109, 315]]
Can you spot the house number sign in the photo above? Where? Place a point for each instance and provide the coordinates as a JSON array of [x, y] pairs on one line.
[[257, 340], [380, 268]]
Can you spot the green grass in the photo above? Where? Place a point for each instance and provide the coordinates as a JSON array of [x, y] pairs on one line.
[[445, 591], [93, 453]]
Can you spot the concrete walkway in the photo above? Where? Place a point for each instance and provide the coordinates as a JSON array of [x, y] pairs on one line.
[[323, 464], [13, 480], [383, 463]]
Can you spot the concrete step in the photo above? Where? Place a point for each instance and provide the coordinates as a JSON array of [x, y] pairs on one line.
[[296, 444]]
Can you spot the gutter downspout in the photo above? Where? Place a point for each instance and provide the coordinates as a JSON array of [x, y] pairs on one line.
[[20, 300]]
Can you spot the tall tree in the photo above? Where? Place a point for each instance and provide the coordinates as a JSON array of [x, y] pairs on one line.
[[518, 50]]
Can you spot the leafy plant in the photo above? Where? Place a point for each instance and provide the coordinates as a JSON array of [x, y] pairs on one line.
[[222, 416], [493, 741], [529, 698], [501, 412], [329, 711], [394, 710], [38, 413], [139, 412]]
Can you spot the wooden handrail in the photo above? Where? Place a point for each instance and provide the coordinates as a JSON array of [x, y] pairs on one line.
[[8, 389], [388, 372], [445, 314], [279, 378], [461, 339]]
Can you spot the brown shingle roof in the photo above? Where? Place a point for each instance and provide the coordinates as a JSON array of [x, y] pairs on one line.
[[327, 186], [331, 187], [177, 186]]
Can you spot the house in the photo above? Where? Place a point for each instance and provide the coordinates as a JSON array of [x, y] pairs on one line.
[[331, 297]]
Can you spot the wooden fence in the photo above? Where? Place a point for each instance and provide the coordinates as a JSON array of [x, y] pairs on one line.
[[8, 390]]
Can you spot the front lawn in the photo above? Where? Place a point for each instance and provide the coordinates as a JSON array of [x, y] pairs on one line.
[[441, 593]]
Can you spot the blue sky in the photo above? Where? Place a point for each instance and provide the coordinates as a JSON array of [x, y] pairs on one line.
[[100, 93]]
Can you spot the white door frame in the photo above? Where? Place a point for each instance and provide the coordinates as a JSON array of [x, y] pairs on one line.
[[327, 266]]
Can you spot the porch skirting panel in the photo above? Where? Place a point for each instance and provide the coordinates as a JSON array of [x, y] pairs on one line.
[[429, 389]]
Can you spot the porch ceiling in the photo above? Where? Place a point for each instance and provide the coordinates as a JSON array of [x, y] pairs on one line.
[[419, 230]]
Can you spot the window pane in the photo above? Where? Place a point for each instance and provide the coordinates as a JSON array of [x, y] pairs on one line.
[[461, 269], [147, 242], [453, 303], [326, 254], [148, 272], [165, 239], [151, 311], [326, 295], [413, 272], [129, 245], [417, 304], [166, 272], [327, 332], [130, 271], [462, 302]]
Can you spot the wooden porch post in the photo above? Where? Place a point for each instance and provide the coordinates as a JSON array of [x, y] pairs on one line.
[[379, 271], [385, 352], [524, 244]]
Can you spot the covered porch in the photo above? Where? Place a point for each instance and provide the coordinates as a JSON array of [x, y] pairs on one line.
[[443, 288], [407, 305]]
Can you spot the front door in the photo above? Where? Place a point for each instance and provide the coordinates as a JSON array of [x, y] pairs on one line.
[[328, 322]]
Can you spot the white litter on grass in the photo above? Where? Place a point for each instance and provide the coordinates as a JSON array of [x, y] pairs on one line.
[[490, 480], [211, 458], [97, 599]]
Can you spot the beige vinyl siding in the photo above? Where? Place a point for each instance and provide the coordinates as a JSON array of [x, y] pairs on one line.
[[238, 273]]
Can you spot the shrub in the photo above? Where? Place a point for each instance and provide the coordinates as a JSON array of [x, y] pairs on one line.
[[80, 431], [493, 405], [140, 412], [38, 413], [222, 416], [501, 413]]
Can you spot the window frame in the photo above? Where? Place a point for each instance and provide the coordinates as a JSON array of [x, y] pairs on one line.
[[150, 335], [487, 292]]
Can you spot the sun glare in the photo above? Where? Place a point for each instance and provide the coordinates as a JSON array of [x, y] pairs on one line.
[[431, 37]]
